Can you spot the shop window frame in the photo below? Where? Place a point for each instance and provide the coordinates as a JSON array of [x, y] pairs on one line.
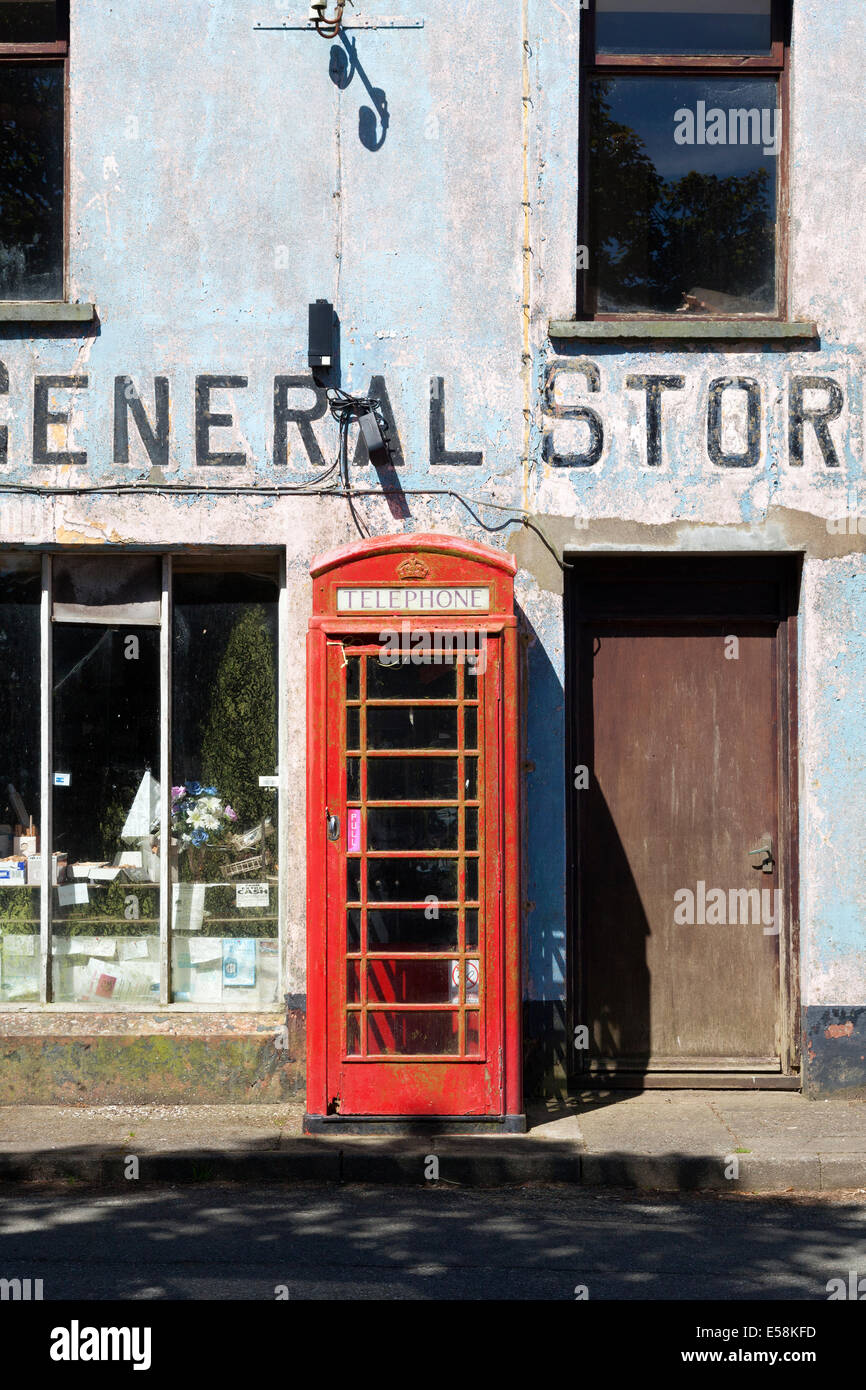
[[775, 65], [216, 559]]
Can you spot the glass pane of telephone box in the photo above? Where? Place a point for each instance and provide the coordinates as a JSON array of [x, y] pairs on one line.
[[105, 799], [224, 870], [20, 866]]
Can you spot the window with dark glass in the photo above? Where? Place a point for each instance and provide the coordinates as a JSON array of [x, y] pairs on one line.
[[684, 122], [33, 50]]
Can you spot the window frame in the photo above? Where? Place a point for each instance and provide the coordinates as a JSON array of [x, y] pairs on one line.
[[209, 559], [50, 53], [776, 64]]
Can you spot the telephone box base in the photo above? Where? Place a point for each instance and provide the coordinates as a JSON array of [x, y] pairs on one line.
[[409, 1125]]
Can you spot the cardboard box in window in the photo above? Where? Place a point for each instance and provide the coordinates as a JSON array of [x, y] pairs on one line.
[[13, 871], [58, 869]]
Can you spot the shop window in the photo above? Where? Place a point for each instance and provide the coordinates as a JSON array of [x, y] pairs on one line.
[[33, 49], [159, 716], [224, 913], [684, 120]]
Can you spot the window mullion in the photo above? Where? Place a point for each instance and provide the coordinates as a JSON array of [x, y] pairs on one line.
[[46, 830], [165, 886]]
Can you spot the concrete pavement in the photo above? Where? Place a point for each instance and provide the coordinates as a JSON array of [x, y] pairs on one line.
[[654, 1140]]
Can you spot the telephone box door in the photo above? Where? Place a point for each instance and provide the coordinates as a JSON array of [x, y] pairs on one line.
[[413, 862]]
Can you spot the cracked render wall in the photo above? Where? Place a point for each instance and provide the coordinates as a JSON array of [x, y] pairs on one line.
[[223, 175]]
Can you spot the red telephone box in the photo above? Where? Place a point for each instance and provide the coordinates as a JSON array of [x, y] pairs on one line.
[[413, 953]]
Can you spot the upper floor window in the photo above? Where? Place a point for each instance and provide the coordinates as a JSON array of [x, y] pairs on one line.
[[682, 170], [33, 52]]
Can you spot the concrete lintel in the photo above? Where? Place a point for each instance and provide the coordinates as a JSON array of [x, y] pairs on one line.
[[45, 311], [679, 330]]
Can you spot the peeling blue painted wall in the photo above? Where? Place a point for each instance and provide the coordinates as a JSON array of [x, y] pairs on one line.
[[224, 175]]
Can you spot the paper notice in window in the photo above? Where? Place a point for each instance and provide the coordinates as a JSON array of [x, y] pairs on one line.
[[132, 948], [187, 906], [71, 894], [205, 948], [103, 947], [19, 945], [353, 831], [252, 895]]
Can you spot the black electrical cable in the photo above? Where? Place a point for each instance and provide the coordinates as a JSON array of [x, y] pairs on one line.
[[516, 516], [346, 409]]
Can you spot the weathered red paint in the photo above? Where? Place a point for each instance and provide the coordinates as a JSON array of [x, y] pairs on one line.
[[361, 1039]]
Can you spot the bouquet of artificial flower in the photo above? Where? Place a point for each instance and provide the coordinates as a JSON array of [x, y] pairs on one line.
[[198, 815]]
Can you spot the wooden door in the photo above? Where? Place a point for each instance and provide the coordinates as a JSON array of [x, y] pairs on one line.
[[682, 869]]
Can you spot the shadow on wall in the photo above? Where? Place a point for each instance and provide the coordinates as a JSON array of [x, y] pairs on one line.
[[373, 121], [610, 993], [543, 878]]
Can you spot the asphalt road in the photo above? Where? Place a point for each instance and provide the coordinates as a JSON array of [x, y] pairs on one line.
[[229, 1242]]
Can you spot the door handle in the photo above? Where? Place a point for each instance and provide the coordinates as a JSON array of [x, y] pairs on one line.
[[765, 849], [333, 825]]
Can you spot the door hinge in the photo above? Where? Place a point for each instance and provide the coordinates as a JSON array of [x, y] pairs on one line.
[[334, 1106]]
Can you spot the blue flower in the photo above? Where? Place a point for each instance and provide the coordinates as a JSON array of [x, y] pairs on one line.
[[199, 837], [194, 788], [209, 791]]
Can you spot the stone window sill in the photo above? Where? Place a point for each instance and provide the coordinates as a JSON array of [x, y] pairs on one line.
[[684, 329], [45, 311]]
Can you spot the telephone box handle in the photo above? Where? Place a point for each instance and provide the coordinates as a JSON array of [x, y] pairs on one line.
[[333, 825]]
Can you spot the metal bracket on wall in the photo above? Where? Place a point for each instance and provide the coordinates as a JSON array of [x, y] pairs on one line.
[[377, 22]]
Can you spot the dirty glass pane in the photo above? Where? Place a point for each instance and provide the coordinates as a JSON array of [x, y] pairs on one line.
[[412, 726], [224, 914], [471, 827], [473, 1034], [425, 682], [391, 1032], [412, 827], [412, 929], [471, 880], [353, 680], [472, 929], [412, 779], [471, 779], [20, 865], [353, 880], [353, 779], [409, 981], [353, 728], [683, 193], [353, 982], [105, 905], [683, 26], [411, 880], [353, 1035], [31, 180], [29, 21], [471, 730], [353, 929]]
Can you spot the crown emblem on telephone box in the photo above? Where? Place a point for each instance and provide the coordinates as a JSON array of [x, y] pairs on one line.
[[413, 568]]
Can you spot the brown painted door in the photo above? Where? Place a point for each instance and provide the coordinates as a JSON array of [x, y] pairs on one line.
[[681, 927]]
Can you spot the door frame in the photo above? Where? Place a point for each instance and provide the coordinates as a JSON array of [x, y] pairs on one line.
[[784, 569]]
